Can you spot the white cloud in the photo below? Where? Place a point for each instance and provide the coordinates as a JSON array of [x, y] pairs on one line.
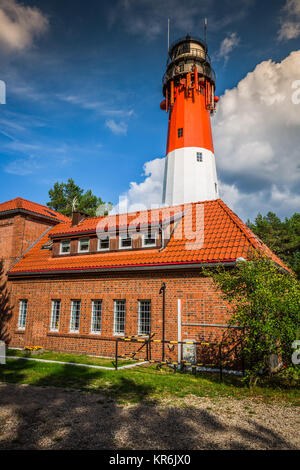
[[23, 166], [19, 25], [119, 128], [106, 108], [257, 142], [290, 21], [103, 108], [282, 201], [148, 193], [256, 129], [227, 46]]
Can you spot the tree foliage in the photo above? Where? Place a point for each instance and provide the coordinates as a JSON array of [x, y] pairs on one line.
[[283, 237], [62, 196], [265, 302]]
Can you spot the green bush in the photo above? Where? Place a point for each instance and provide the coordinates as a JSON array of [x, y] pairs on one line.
[[265, 303]]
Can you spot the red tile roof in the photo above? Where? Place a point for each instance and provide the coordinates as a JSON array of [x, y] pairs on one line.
[[224, 239], [22, 204]]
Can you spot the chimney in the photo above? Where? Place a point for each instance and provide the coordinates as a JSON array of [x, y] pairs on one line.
[[78, 217]]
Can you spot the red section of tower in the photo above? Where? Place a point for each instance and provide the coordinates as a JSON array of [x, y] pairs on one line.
[[190, 114], [189, 85]]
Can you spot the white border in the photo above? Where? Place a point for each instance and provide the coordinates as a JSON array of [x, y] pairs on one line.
[[103, 249], [75, 331], [91, 329], [115, 333], [125, 247], [60, 247], [20, 303], [78, 248], [51, 318]]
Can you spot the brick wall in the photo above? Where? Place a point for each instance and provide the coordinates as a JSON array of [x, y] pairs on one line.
[[200, 303], [17, 233], [6, 237]]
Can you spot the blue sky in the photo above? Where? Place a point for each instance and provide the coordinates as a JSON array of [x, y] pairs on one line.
[[84, 85]]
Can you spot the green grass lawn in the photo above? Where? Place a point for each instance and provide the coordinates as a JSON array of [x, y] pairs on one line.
[[143, 382], [66, 357]]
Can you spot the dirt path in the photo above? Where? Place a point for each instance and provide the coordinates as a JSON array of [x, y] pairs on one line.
[[53, 418]]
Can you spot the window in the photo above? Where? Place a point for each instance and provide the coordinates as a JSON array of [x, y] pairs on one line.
[[84, 245], [199, 157], [216, 187], [119, 317], [55, 314], [181, 67], [149, 239], [22, 314], [75, 316], [65, 247], [144, 323], [180, 132], [125, 241], [96, 316], [103, 244]]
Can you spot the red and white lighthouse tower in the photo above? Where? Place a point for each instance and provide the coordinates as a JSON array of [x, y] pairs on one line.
[[188, 87]]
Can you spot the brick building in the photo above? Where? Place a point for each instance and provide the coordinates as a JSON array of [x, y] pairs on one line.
[[88, 281], [91, 280], [21, 223]]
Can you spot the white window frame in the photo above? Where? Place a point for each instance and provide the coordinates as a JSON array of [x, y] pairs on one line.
[[199, 157], [122, 237], [93, 331], [123, 301], [60, 248], [72, 330], [103, 249], [22, 314], [79, 245], [139, 317], [53, 303], [144, 245]]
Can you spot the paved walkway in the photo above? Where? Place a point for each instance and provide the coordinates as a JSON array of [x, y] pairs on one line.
[[92, 366]]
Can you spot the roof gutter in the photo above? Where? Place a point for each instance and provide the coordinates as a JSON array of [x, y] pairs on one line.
[[148, 267], [34, 214]]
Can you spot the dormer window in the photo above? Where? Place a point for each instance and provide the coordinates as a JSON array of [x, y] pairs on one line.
[[83, 245], [149, 239], [65, 247], [125, 241], [103, 244]]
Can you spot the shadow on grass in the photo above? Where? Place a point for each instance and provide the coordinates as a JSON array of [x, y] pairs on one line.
[[55, 418], [47, 416], [110, 384]]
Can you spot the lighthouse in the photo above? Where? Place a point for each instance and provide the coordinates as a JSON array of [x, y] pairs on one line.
[[189, 90]]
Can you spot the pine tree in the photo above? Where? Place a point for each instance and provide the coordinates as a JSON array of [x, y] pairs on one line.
[[62, 196], [283, 237]]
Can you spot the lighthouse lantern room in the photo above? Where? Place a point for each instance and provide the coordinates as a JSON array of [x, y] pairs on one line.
[[189, 91]]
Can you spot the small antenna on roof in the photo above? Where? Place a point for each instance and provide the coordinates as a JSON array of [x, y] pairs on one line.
[[74, 204], [205, 29], [168, 35]]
